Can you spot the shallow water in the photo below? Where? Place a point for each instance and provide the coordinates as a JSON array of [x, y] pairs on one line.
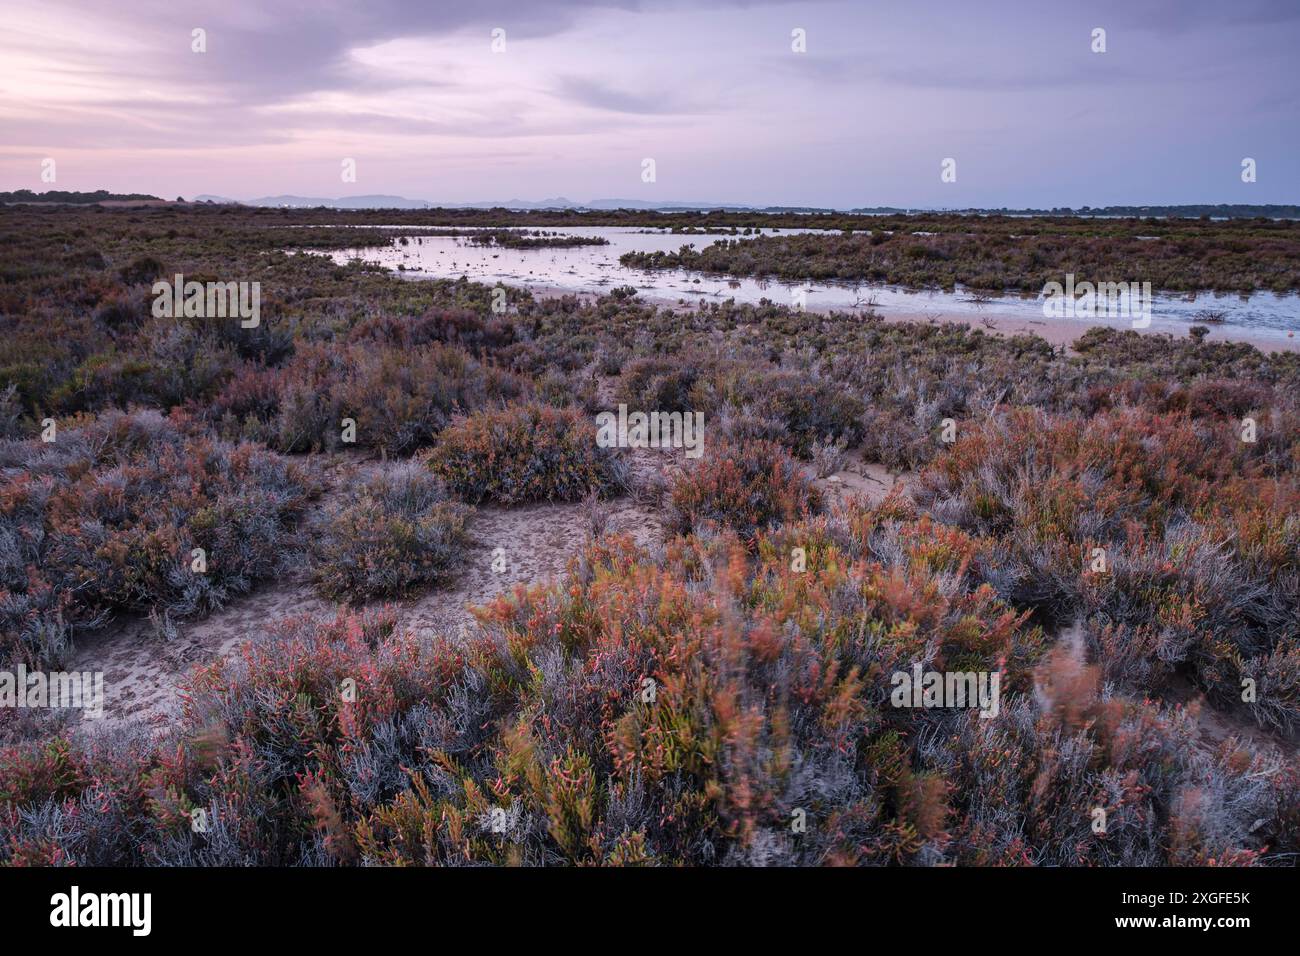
[[1263, 315]]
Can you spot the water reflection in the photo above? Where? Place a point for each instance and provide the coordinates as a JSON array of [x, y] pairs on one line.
[[596, 269]]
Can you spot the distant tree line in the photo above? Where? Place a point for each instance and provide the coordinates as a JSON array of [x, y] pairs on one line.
[[69, 196]]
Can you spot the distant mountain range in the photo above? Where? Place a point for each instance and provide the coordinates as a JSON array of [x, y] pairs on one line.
[[401, 202], [101, 196], [1218, 211]]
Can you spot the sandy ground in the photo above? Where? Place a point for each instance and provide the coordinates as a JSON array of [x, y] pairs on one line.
[[865, 481], [1216, 726]]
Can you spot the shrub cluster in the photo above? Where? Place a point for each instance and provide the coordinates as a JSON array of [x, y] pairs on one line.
[[747, 487], [1174, 538], [106, 518], [525, 453], [537, 239], [398, 398], [400, 533], [797, 409], [682, 710]]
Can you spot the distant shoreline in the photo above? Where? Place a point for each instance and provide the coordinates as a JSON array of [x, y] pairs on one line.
[[376, 203]]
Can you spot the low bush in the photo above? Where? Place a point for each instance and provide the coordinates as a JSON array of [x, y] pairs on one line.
[[526, 453], [459, 327], [811, 410], [746, 487], [400, 534], [658, 385]]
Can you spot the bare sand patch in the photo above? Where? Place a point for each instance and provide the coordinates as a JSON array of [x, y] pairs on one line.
[[867, 482], [531, 545], [1218, 725]]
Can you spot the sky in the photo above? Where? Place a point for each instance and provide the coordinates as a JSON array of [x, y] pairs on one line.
[[577, 95]]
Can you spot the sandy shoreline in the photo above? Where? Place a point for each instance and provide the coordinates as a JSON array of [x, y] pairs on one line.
[[1067, 331], [1063, 332]]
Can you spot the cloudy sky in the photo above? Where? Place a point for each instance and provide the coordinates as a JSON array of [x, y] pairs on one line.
[[711, 90]]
